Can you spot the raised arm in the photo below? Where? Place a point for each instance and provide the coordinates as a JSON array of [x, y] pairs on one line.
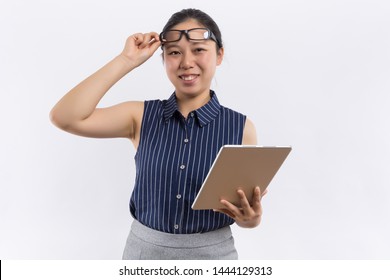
[[76, 112]]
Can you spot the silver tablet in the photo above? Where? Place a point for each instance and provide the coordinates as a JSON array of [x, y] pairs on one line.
[[239, 166]]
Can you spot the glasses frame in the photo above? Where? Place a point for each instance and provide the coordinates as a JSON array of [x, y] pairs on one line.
[[185, 32]]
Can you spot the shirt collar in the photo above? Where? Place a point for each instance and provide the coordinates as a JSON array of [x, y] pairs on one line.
[[204, 114]]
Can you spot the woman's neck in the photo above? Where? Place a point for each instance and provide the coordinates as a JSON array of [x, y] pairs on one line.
[[189, 103]]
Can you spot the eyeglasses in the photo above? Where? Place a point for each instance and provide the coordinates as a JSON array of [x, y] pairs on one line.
[[194, 34]]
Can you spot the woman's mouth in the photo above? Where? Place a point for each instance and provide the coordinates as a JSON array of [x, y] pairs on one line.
[[188, 77]]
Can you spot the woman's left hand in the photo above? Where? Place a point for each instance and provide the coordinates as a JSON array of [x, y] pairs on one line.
[[247, 216]]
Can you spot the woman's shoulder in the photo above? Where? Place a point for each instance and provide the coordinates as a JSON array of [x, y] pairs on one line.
[[232, 112], [154, 104]]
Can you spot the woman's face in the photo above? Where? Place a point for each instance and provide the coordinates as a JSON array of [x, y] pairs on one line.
[[191, 65]]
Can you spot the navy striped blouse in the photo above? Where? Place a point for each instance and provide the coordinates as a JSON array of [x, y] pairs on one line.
[[172, 160]]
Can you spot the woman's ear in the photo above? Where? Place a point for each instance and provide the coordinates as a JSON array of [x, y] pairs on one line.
[[220, 53]]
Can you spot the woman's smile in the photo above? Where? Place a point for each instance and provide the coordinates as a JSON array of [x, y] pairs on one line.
[[188, 77]]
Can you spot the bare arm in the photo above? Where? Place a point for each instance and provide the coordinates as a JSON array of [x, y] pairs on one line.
[[249, 134], [76, 112]]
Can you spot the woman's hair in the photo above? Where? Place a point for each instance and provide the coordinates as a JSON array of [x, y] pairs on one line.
[[201, 17]]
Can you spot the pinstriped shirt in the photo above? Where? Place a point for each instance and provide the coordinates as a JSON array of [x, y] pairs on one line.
[[172, 160]]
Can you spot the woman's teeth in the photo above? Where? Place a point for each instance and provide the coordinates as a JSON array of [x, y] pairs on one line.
[[188, 78]]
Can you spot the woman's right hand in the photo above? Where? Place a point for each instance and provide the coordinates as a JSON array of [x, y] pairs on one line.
[[140, 47]]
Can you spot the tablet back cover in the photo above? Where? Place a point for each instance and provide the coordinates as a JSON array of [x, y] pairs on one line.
[[237, 167]]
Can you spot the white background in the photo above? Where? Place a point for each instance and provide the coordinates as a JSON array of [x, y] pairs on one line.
[[311, 74]]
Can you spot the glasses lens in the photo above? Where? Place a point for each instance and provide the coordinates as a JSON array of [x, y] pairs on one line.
[[198, 34], [171, 36]]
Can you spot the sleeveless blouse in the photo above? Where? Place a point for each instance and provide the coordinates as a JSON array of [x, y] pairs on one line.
[[172, 160]]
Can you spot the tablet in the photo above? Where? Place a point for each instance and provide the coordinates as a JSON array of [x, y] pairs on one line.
[[239, 166]]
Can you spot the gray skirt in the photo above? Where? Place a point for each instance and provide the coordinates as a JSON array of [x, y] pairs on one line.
[[144, 243]]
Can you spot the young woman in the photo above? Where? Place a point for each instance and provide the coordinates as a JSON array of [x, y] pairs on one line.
[[176, 140]]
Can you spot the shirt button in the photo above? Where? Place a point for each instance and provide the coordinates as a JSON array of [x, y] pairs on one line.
[[182, 166], [178, 196], [176, 226], [186, 140], [192, 114]]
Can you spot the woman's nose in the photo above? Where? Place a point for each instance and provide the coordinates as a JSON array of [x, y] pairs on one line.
[[187, 61]]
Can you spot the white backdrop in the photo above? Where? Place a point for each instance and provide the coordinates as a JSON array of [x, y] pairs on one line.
[[311, 74]]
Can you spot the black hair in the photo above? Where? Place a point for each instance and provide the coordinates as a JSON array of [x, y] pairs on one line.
[[201, 17]]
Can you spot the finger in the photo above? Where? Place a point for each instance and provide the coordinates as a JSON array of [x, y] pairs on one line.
[[149, 39], [145, 40], [256, 200], [246, 207], [154, 45], [231, 208], [155, 36], [138, 38]]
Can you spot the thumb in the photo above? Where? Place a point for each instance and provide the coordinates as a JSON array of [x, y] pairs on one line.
[[154, 45]]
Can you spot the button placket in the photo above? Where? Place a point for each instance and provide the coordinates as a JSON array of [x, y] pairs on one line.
[[183, 166]]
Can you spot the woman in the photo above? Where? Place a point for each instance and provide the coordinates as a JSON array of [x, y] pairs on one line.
[[176, 141]]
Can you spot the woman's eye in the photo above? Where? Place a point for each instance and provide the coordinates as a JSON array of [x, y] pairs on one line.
[[199, 50], [174, 53]]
